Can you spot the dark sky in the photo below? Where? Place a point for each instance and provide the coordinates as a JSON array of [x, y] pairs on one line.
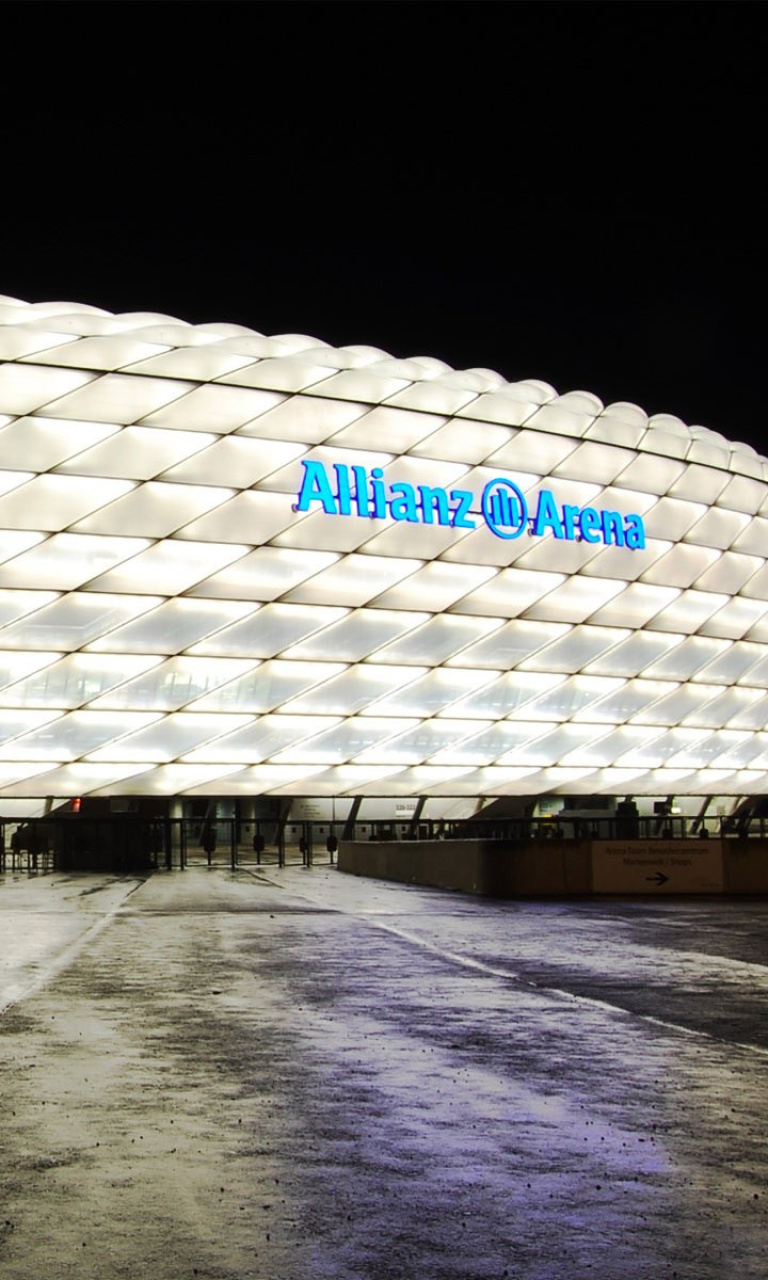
[[566, 191]]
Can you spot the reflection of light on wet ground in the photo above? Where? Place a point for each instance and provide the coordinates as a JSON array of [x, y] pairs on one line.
[[44, 921]]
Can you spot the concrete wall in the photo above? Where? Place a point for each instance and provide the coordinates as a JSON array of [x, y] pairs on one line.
[[546, 868], [494, 868]]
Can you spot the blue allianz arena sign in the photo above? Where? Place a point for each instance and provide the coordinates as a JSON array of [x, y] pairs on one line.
[[502, 506]]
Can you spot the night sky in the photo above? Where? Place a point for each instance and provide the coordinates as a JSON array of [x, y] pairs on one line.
[[564, 191]]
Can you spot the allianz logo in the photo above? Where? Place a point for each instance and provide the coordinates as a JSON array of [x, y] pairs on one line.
[[502, 506]]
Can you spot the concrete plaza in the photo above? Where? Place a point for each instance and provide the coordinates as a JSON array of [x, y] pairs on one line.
[[296, 1075]]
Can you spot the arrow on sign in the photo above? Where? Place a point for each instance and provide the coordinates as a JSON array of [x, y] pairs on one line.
[[658, 879]]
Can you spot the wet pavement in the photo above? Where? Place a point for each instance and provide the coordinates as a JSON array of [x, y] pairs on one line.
[[299, 1075]]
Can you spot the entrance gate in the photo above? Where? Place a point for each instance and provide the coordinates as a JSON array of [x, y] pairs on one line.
[[128, 843]]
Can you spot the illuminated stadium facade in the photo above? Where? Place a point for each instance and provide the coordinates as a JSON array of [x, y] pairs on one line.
[[235, 566]]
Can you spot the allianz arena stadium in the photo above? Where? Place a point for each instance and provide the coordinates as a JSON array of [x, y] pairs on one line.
[[239, 568]]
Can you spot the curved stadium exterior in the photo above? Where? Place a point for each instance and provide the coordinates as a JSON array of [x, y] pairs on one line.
[[239, 566]]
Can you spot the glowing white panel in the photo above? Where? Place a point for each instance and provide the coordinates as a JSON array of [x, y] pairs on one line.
[[354, 581], [15, 604], [25, 388], [53, 502], [136, 453], [650, 474], [738, 749], [575, 649], [264, 574], [168, 737], [169, 567], [436, 640], [416, 781], [684, 660], [343, 779], [556, 747], [698, 755], [753, 539], [632, 698], [226, 407], [13, 666], [304, 419], [511, 592], [557, 416], [396, 539], [255, 517], [681, 565], [505, 694], [276, 627], [752, 716], [577, 599], [199, 362], [358, 635], [419, 743], [73, 621], [352, 691], [16, 723], [176, 779], [432, 693], [454, 441], [236, 462], [37, 444], [699, 484], [18, 779], [154, 509], [262, 779], [634, 654], [74, 680], [435, 587], [757, 587], [690, 611], [167, 629], [539, 453], [117, 397], [636, 606], [567, 698], [15, 343], [732, 704], [760, 760], [12, 544], [510, 644], [736, 618], [490, 782], [671, 518], [678, 705], [736, 662], [654, 753], [611, 747], [608, 430], [718, 528], [624, 563], [613, 780], [401, 429], [289, 478], [74, 735], [601, 462], [171, 684], [316, 532], [261, 739], [742, 494], [552, 554], [509, 409], [272, 685], [358, 737]]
